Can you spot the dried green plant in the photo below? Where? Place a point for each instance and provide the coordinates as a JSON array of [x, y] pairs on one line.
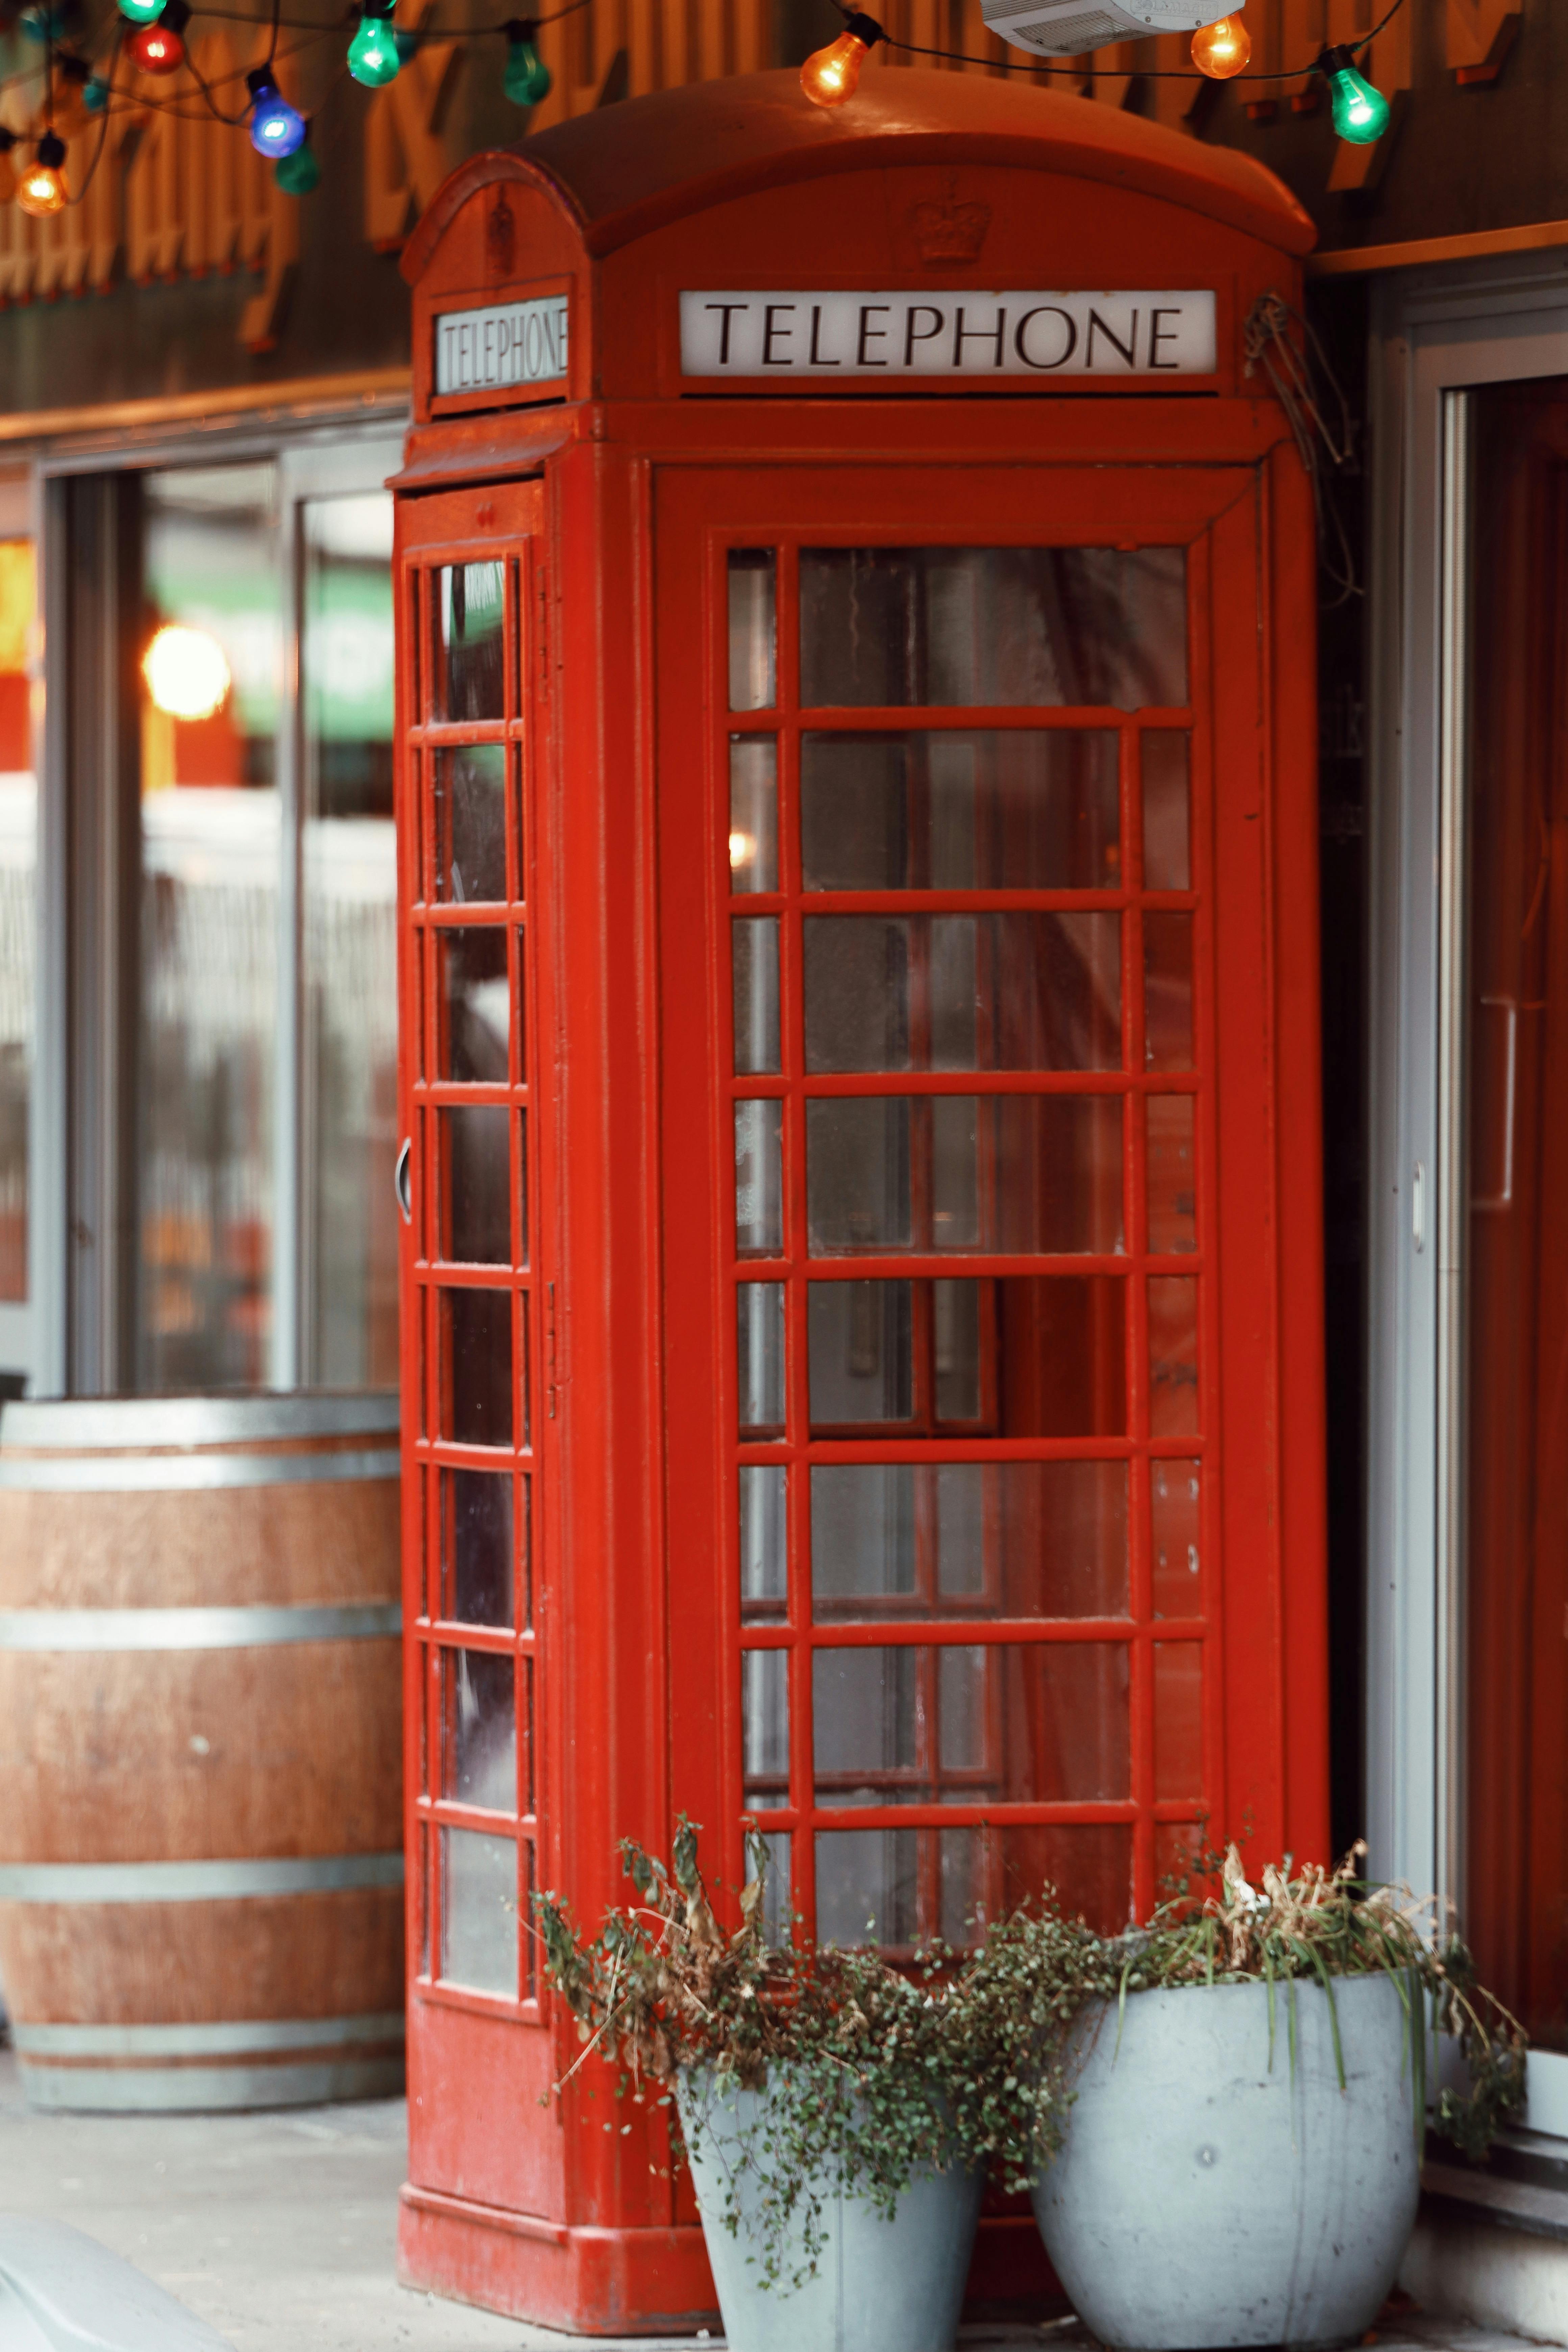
[[1317, 1925], [864, 2071], [874, 2073]]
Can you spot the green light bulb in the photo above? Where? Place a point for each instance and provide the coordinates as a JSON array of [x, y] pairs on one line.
[[372, 52], [142, 11], [527, 77], [1360, 112], [298, 173]]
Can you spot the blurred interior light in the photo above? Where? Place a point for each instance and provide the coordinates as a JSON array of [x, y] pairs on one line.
[[186, 672]]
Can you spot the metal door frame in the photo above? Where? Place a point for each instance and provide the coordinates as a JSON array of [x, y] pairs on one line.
[[1436, 336]]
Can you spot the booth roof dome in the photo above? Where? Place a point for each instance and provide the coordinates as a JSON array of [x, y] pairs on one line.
[[622, 170]]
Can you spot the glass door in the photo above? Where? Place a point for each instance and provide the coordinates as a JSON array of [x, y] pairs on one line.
[[957, 833]]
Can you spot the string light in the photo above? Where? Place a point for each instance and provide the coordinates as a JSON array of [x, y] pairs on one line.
[[95, 97], [1222, 49], [373, 53], [277, 128], [831, 75], [142, 11], [527, 77], [41, 189], [1360, 112]]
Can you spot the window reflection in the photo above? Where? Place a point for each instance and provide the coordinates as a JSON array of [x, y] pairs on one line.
[[1018, 1174], [964, 810], [993, 625], [210, 865], [469, 678], [968, 1539], [1003, 992]]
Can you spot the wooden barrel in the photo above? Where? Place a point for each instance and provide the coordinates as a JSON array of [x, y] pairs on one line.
[[200, 1754]]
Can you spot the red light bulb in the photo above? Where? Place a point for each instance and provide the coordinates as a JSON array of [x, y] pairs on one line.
[[1222, 49], [155, 49], [832, 75]]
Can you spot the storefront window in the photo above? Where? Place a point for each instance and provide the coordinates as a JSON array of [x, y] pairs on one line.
[[17, 828], [267, 1096], [211, 848]]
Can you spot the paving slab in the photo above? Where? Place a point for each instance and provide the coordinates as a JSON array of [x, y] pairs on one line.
[[279, 2230]]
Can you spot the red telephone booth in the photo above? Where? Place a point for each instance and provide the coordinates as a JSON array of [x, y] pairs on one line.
[[862, 1273]]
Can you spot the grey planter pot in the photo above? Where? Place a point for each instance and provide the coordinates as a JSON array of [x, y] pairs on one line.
[[880, 2286], [1205, 2199]]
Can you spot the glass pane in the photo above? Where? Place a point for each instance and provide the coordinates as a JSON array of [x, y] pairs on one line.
[[764, 1567], [473, 1016], [1173, 1175], [211, 864], [476, 1548], [475, 1184], [968, 1539], [1004, 991], [1173, 1499], [469, 680], [1172, 1356], [478, 1365], [970, 810], [860, 1350], [468, 789], [1019, 1174], [1091, 1866], [777, 1918], [753, 812], [1019, 1356], [1011, 1722], [1167, 864], [1178, 1720], [993, 625], [478, 1705], [19, 821], [866, 1886], [759, 1320], [1168, 992], [479, 1911], [348, 866], [752, 660], [754, 941], [759, 1180], [764, 1728]]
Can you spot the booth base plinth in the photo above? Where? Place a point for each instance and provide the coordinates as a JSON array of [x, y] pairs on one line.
[[589, 2282], [595, 2282]]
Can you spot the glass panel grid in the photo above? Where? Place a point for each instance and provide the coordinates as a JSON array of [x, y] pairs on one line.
[[1116, 1172], [476, 1186]]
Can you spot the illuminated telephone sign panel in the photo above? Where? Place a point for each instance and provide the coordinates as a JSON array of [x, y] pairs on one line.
[[862, 1269]]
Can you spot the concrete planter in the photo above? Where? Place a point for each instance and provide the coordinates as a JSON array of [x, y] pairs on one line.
[[1205, 2198], [880, 2286]]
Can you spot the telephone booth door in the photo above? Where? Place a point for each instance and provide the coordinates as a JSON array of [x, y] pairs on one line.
[[964, 912], [477, 1305]]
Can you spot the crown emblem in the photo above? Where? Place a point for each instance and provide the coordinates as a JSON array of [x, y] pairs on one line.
[[950, 231]]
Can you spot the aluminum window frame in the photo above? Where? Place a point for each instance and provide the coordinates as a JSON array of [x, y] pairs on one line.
[[1438, 335]]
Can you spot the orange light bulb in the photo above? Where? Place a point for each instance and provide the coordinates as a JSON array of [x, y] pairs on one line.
[[1222, 49], [41, 188], [831, 75]]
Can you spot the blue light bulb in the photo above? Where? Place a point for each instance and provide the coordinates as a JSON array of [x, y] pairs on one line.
[[276, 127]]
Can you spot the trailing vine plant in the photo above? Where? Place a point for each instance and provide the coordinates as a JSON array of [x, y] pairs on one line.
[[874, 2073]]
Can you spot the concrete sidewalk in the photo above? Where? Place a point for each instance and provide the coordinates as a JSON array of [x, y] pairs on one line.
[[278, 2230]]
